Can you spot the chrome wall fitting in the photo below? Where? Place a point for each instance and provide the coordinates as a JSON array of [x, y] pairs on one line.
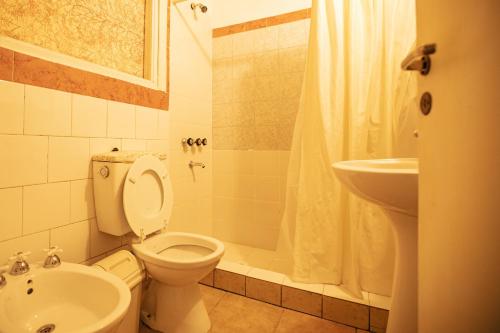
[[188, 141], [192, 164]]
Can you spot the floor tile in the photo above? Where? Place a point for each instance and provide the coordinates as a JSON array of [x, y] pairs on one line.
[[236, 313], [292, 322], [211, 296]]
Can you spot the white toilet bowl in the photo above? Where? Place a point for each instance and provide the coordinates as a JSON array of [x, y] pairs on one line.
[[176, 262], [178, 258], [133, 193]]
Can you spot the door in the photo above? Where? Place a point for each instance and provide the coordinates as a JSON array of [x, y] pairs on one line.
[[459, 151]]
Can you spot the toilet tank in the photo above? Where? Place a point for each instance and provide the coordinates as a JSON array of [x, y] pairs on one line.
[[109, 171]]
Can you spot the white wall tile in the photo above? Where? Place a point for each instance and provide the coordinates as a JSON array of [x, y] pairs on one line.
[[157, 146], [24, 160], [11, 107], [163, 124], [47, 112], [34, 243], [132, 144], [11, 212], [292, 34], [146, 123], [45, 206], [103, 145], [89, 116], [82, 200], [121, 120], [223, 47], [69, 158], [74, 239], [101, 242]]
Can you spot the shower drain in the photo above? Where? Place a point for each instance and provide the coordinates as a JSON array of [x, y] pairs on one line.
[[46, 328]]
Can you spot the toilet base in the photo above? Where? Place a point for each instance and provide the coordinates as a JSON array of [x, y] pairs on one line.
[[174, 309]]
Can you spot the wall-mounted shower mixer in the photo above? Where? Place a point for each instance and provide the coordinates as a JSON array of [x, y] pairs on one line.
[[198, 141]]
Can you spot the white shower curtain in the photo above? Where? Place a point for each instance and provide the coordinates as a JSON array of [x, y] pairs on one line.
[[355, 104]]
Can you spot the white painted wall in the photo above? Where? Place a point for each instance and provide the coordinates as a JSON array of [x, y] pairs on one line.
[[227, 12]]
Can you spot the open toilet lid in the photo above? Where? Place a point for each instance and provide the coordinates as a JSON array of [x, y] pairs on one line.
[[147, 195]]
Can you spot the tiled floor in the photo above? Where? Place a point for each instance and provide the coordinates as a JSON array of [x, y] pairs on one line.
[[234, 313]]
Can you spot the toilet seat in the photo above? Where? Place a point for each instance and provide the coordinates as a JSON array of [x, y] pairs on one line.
[[147, 196], [163, 250]]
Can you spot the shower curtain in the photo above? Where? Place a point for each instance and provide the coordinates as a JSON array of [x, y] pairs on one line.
[[356, 104]]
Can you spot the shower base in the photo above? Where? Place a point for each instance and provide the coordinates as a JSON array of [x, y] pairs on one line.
[[260, 274]]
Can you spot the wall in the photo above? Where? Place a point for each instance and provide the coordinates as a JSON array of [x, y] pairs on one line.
[[113, 35], [47, 138], [46, 143], [228, 12], [191, 116], [257, 82]]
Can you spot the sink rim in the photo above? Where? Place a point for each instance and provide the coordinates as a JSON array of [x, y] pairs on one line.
[[380, 165], [110, 319]]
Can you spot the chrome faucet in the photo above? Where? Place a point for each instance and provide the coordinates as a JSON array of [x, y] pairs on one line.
[[20, 266], [52, 259]]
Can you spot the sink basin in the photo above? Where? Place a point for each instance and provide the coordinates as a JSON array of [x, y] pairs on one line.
[[389, 183], [392, 184], [70, 298]]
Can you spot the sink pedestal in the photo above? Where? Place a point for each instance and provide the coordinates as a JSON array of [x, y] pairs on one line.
[[403, 314]]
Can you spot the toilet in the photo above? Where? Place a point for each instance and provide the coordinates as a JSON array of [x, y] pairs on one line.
[[133, 193]]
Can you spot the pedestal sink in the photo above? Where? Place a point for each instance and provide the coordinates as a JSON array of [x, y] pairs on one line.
[[70, 298], [393, 185]]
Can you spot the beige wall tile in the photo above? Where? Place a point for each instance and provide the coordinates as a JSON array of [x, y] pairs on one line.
[[302, 300], [266, 39], [34, 243], [346, 312], [74, 239], [11, 107], [267, 112], [47, 112], [69, 158], [234, 137], [101, 242], [45, 206], [223, 47], [292, 322], [292, 59], [82, 200], [121, 120], [243, 67], [11, 212], [244, 89], [229, 281], [263, 291], [378, 318], [292, 34], [222, 69], [244, 43], [102, 145], [89, 116], [290, 85], [146, 123], [24, 160], [267, 87], [266, 63], [223, 92]]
